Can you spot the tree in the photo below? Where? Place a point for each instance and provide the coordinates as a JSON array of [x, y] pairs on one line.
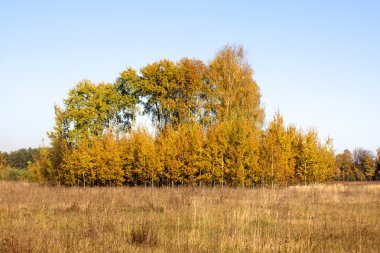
[[216, 149], [93, 163], [20, 158], [345, 165], [140, 161], [190, 144], [92, 109], [234, 92], [232, 149], [169, 155], [314, 161], [277, 156], [174, 93], [306, 156], [364, 161], [41, 169], [326, 166]]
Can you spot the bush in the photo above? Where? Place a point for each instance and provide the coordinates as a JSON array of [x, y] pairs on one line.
[[13, 174]]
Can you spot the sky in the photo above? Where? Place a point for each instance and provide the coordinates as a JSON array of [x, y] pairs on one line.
[[317, 62]]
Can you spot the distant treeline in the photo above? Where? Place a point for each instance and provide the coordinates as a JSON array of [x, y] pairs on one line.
[[359, 165], [208, 130], [18, 159]]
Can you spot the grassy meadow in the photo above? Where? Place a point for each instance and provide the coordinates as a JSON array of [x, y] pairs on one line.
[[318, 218]]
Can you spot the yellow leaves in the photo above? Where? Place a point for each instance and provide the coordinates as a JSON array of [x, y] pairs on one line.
[[209, 130], [174, 92], [237, 94], [182, 153], [95, 163], [42, 169], [141, 164]]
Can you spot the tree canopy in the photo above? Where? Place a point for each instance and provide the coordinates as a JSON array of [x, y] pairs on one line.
[[208, 122]]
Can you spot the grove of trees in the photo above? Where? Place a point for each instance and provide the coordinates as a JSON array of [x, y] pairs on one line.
[[208, 130], [359, 165], [18, 159]]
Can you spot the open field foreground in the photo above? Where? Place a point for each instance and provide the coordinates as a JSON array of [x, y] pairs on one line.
[[321, 218]]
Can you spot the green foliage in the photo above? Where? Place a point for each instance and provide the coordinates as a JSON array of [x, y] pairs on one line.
[[345, 166], [91, 109], [20, 158], [364, 161], [13, 174]]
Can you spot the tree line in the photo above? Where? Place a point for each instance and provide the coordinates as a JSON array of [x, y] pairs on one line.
[[18, 159], [359, 165], [208, 130]]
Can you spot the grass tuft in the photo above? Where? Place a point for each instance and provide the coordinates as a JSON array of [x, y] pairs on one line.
[[144, 233]]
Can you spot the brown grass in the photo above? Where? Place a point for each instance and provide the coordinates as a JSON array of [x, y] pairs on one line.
[[320, 218]]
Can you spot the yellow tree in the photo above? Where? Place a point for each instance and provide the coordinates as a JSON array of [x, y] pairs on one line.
[[315, 161], [191, 92], [94, 163], [276, 155], [169, 155], [243, 153], [42, 169], [141, 164], [235, 93], [233, 152], [326, 165], [191, 152], [174, 93], [306, 156], [216, 148]]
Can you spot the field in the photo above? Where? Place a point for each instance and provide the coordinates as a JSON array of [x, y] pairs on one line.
[[319, 218]]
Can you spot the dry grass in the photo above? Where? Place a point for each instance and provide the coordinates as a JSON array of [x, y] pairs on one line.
[[330, 218]]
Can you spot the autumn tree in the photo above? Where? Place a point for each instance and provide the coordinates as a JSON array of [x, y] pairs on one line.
[[94, 163], [169, 155], [174, 93], [234, 92], [365, 166], [277, 159], [140, 161], [326, 165], [233, 150], [345, 165], [41, 169], [216, 148], [91, 109]]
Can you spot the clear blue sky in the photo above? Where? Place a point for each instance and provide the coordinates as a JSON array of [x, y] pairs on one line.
[[318, 62]]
